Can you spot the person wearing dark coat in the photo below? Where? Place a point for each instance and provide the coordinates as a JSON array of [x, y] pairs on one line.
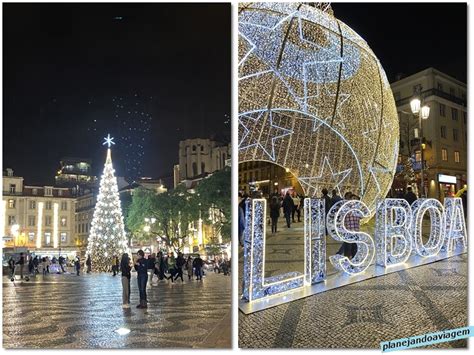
[[21, 262], [141, 266], [198, 263], [77, 265], [335, 198], [274, 212], [180, 262], [89, 263], [327, 201], [288, 208], [125, 269], [410, 197]]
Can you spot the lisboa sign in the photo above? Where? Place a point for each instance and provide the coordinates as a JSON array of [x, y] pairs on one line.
[[397, 244]]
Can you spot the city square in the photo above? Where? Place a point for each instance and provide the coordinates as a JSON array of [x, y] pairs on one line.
[[67, 311], [116, 190]]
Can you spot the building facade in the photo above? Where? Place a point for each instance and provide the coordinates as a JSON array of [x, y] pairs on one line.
[[38, 218], [260, 178], [76, 173], [444, 140], [198, 157]]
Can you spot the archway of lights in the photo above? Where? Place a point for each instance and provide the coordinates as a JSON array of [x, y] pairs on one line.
[[314, 99]]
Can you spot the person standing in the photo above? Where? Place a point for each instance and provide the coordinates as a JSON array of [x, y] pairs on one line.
[[351, 223], [162, 265], [151, 268], [189, 268], [288, 208], [180, 262], [11, 266], [21, 262], [89, 264], [141, 266], [274, 213], [114, 265], [296, 206], [335, 198], [44, 265], [410, 197], [171, 261], [198, 264], [125, 269], [35, 264], [78, 265]]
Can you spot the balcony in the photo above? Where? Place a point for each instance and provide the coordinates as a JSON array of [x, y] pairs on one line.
[[434, 92]]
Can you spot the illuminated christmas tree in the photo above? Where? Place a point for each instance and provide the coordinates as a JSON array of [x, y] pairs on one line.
[[107, 234]]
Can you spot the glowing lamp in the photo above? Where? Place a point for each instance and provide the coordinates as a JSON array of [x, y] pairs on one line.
[[415, 105]]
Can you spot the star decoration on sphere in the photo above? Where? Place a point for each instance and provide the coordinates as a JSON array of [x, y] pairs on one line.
[[334, 180], [108, 140], [264, 132]]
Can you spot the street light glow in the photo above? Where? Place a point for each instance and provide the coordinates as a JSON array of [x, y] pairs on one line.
[[425, 112], [415, 105]]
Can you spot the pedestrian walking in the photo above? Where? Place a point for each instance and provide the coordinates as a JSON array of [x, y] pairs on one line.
[[189, 268], [115, 265], [35, 264], [162, 266], [274, 213], [125, 269], [21, 263], [151, 268], [296, 206], [30, 265], [44, 265], [48, 264], [288, 208], [11, 266], [180, 262], [141, 266], [335, 198], [77, 265], [351, 223], [88, 264], [198, 263], [410, 197], [171, 262]]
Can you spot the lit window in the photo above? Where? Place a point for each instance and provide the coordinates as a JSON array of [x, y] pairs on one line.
[[11, 203], [47, 237], [63, 222], [444, 154], [63, 237], [456, 157], [31, 236]]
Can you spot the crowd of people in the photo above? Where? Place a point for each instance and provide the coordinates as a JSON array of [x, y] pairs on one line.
[[160, 267], [44, 265], [291, 205]]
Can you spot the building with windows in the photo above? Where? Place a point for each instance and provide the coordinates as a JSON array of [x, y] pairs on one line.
[[444, 133], [38, 218], [76, 173], [260, 178], [198, 157]]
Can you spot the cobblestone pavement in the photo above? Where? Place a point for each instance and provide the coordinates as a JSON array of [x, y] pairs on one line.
[[66, 311], [415, 301]]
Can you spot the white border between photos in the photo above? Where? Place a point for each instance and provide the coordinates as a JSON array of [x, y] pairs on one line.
[[235, 245]]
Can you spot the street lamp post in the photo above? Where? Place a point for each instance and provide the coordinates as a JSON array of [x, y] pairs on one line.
[[423, 113]]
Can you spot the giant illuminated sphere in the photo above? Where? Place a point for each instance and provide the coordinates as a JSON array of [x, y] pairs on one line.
[[314, 99]]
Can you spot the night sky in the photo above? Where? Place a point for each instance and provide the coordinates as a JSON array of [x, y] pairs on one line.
[[148, 74], [67, 66], [408, 38]]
